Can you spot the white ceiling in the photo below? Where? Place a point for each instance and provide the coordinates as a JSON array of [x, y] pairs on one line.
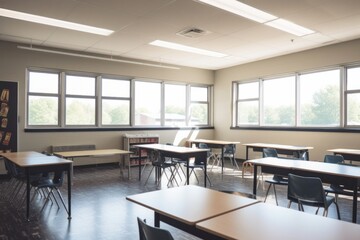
[[138, 22]]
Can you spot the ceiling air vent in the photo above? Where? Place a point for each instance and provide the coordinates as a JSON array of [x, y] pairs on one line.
[[193, 32]]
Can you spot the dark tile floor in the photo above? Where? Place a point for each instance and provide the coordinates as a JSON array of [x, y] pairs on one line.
[[100, 210]]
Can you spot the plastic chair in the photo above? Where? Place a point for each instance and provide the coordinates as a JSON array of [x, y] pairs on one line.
[[197, 164], [51, 183], [229, 152], [335, 188], [147, 232], [276, 180], [309, 191], [161, 164]]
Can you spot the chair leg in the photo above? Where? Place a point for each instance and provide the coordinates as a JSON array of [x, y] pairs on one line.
[[289, 204], [275, 195], [267, 192], [337, 210]]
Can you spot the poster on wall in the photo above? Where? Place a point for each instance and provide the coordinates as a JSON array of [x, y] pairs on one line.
[[8, 116]]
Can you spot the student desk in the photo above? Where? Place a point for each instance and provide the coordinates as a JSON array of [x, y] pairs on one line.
[[93, 153], [327, 172], [216, 144], [348, 154], [266, 221], [170, 151], [296, 151], [183, 207], [33, 163]]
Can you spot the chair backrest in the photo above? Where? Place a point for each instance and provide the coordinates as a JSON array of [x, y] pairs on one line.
[[269, 152], [147, 232], [230, 149], [307, 190], [58, 178], [205, 146], [334, 159]]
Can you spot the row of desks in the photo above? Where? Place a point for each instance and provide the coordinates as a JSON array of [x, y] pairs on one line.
[[210, 214]]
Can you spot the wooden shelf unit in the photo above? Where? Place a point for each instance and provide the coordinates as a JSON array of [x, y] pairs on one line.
[[129, 140]]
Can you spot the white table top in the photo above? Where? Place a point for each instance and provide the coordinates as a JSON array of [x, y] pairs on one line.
[[208, 141], [190, 204], [345, 151], [266, 221], [312, 166], [277, 146], [170, 148], [34, 161]]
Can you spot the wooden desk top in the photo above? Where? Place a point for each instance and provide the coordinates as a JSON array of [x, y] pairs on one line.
[[33, 161], [345, 151], [277, 146], [190, 204], [19, 155], [87, 153], [311, 166], [266, 221], [170, 148], [220, 142]]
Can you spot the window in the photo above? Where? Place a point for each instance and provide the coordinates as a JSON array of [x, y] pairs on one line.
[[353, 97], [80, 102], [175, 105], [320, 99], [43, 99], [147, 103], [279, 101], [248, 103], [115, 102], [309, 99], [58, 99], [199, 106]]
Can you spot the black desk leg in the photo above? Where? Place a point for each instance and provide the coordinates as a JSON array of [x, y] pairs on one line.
[[354, 213], [255, 180], [69, 179], [156, 219], [187, 170], [247, 153], [139, 164], [222, 161], [205, 171], [27, 195]]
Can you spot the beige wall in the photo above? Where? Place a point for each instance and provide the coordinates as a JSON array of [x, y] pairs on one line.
[[337, 54], [14, 61]]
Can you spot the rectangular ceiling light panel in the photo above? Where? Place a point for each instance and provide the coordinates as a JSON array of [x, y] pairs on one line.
[[54, 22]]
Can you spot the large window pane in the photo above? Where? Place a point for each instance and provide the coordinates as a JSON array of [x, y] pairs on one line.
[[199, 114], [115, 88], [175, 105], [353, 109], [279, 101], [115, 112], [80, 85], [353, 78], [43, 110], [40, 82], [353, 97], [199, 94], [320, 99], [147, 103], [80, 111], [248, 113], [248, 90]]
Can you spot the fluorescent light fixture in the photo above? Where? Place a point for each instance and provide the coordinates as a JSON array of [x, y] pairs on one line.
[[95, 57], [241, 9], [289, 27], [184, 48], [54, 22]]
